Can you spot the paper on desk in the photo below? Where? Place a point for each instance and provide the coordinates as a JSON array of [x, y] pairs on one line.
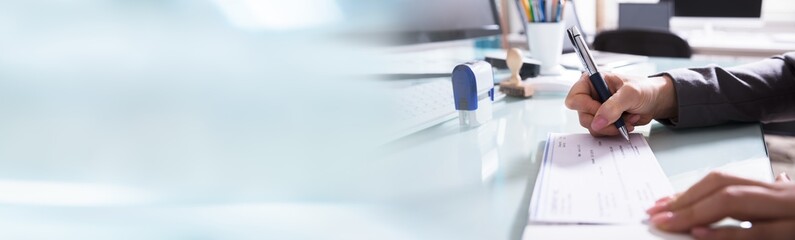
[[590, 231], [584, 179]]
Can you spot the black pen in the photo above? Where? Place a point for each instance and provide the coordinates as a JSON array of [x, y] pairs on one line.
[[596, 78]]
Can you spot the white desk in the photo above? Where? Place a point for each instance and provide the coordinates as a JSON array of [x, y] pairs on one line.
[[483, 177], [441, 183], [476, 183], [120, 154]]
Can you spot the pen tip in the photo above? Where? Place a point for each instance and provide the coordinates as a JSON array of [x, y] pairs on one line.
[[624, 133]]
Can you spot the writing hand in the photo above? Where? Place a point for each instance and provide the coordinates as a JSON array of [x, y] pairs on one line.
[[643, 98]]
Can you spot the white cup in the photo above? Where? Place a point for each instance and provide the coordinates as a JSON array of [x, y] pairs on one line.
[[545, 40]]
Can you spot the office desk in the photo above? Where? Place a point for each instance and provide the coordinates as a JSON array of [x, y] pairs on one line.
[[484, 176], [441, 183], [476, 182]]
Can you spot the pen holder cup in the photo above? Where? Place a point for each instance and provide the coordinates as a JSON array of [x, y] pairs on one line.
[[545, 40]]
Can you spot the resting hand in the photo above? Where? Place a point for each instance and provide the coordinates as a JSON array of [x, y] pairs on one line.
[[770, 207], [643, 98]]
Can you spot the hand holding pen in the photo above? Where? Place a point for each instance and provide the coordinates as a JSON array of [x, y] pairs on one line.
[[631, 101]]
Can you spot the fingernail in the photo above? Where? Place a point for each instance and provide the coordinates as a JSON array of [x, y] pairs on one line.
[[665, 199], [655, 209], [599, 123], [700, 232], [785, 176], [662, 220]]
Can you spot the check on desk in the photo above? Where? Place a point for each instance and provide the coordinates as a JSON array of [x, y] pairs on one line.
[[584, 179]]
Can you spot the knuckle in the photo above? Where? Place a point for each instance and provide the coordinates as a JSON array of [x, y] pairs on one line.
[[730, 193], [715, 177], [570, 103], [727, 198]]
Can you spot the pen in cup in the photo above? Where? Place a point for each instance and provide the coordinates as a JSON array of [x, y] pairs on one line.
[[597, 81], [536, 11]]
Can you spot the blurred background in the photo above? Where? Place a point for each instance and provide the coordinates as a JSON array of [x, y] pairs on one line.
[[119, 116]]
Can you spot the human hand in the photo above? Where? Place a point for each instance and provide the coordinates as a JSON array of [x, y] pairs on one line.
[[770, 207], [643, 98]]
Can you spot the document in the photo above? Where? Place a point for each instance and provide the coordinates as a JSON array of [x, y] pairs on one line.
[[584, 179], [592, 231]]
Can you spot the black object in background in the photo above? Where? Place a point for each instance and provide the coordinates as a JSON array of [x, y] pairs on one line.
[[643, 42], [528, 70], [718, 8]]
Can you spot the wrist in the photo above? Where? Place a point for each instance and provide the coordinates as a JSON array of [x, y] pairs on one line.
[[666, 98]]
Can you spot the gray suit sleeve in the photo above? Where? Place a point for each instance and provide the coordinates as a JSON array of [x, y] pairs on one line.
[[763, 91]]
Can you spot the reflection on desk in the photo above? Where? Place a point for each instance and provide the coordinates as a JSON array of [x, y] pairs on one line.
[[489, 171]]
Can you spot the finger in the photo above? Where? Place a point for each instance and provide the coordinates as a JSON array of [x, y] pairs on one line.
[[763, 230], [739, 202], [582, 103], [580, 99], [580, 88], [585, 119], [614, 81], [644, 119], [638, 120], [661, 204], [610, 130], [668, 198], [614, 107], [596, 134], [714, 181], [633, 119]]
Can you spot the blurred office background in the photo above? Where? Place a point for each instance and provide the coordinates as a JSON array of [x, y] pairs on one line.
[[119, 117], [701, 22]]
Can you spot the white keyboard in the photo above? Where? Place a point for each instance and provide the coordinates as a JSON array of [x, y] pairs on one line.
[[423, 104]]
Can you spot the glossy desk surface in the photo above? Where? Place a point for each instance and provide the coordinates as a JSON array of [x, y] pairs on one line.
[[445, 182], [485, 175], [476, 182]]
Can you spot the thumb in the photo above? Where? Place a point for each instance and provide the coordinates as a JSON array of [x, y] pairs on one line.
[[612, 109]]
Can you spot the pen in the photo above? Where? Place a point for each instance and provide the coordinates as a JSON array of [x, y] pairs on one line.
[[529, 6], [596, 78], [542, 10]]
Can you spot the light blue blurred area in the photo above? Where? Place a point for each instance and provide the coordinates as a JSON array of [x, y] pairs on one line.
[[134, 119]]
